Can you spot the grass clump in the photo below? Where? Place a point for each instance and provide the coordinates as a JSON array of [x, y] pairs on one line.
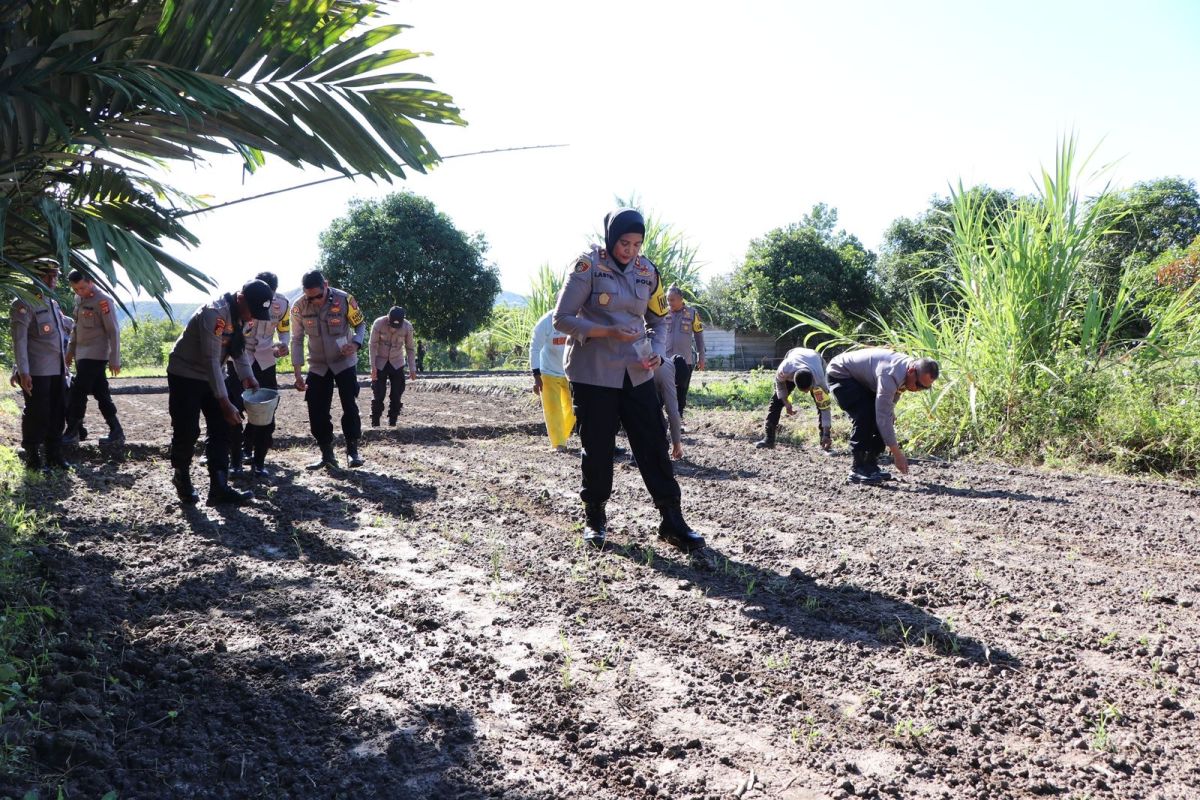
[[24, 616], [750, 392]]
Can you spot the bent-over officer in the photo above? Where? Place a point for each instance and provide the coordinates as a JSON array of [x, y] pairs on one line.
[[683, 326], [803, 369], [866, 384], [196, 385], [264, 351], [335, 329], [609, 299], [95, 344], [37, 327], [390, 350]]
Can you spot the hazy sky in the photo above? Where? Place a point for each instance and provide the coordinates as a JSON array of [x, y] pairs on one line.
[[730, 119]]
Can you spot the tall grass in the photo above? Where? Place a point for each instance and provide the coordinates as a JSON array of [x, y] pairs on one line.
[[1033, 363], [506, 338]]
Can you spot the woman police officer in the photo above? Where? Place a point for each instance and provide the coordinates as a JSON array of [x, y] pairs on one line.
[[605, 306]]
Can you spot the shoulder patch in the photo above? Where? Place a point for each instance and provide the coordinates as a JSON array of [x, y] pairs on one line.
[[104, 307], [219, 328], [583, 265], [658, 302]]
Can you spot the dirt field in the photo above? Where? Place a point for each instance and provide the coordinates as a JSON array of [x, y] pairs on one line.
[[430, 626]]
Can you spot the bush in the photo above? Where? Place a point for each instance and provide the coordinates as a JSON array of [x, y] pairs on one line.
[[149, 342]]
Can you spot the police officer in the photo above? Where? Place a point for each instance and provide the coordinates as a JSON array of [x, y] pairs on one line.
[[37, 327], [802, 369], [95, 343], [264, 351], [866, 384], [547, 349], [683, 325], [390, 349], [605, 306], [335, 328], [196, 385]]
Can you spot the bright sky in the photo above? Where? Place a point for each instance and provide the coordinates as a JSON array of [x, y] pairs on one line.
[[730, 119]]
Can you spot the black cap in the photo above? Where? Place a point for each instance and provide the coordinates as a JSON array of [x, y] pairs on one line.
[[396, 316], [258, 296], [620, 222]]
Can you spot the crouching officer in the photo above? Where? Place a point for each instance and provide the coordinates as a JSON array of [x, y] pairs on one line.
[[335, 328], [866, 384], [95, 344], [196, 385], [37, 327], [390, 350], [802, 369], [605, 306]]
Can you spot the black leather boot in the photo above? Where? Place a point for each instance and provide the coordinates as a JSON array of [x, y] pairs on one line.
[[768, 440], [595, 525], [219, 490], [116, 434], [675, 531], [71, 434], [183, 486], [871, 462], [327, 459], [352, 456], [33, 457], [861, 471], [374, 420], [55, 460]]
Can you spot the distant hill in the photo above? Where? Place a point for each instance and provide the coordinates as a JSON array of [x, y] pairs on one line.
[[510, 299]]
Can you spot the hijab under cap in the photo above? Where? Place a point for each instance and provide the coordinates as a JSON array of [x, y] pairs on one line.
[[620, 222]]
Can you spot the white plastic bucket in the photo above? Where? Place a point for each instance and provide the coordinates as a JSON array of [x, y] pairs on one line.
[[260, 405]]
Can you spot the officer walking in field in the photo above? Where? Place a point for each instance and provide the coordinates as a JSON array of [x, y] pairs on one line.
[[390, 350], [683, 326], [264, 351], [37, 327], [335, 328], [95, 343], [547, 349], [196, 385], [802, 369], [866, 384], [609, 299]]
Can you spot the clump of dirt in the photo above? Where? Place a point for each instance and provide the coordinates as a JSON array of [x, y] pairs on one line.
[[431, 626]]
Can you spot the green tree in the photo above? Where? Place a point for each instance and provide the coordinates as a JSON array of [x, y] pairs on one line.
[[93, 92], [400, 250], [1153, 217], [916, 256], [147, 343], [806, 265]]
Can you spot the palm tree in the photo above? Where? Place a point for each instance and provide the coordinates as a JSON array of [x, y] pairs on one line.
[[94, 92]]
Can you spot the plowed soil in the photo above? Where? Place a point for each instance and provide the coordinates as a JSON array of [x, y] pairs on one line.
[[431, 626]]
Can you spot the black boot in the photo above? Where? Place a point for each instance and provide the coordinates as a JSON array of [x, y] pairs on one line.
[[235, 462], [33, 457], [374, 420], [768, 440], [392, 420], [352, 456], [675, 531], [872, 465], [595, 525], [327, 459], [55, 460], [861, 471], [258, 469], [183, 486], [116, 434], [72, 434], [219, 490]]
